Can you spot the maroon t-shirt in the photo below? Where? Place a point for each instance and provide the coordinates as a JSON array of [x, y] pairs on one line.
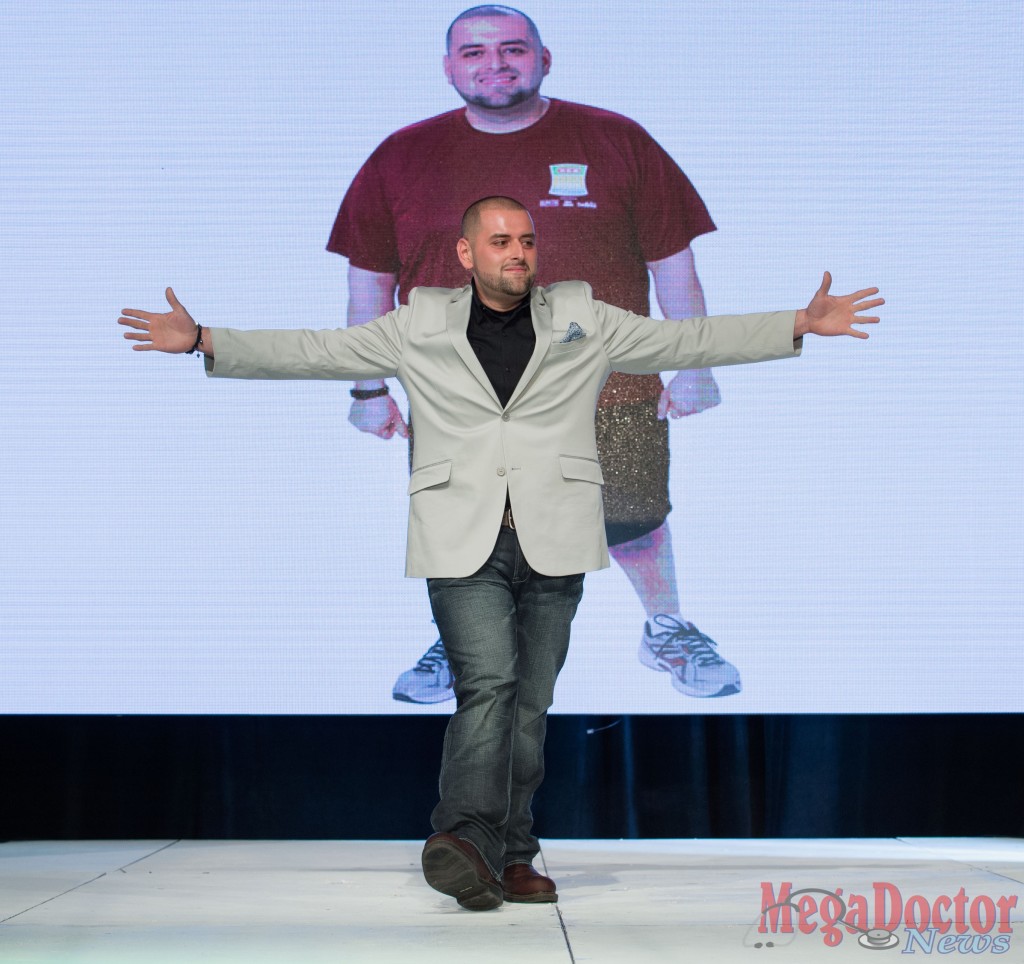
[[605, 197]]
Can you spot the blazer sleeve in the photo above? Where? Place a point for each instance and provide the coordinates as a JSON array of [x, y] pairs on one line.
[[641, 346], [365, 351]]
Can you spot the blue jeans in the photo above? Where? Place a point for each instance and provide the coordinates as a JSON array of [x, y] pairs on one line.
[[506, 632]]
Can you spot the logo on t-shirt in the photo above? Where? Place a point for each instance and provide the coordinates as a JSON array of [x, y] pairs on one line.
[[568, 180]]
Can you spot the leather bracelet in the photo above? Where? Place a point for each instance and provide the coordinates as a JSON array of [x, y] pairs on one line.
[[198, 341], [362, 394]]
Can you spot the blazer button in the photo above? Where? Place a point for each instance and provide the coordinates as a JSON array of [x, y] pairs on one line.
[[505, 417], [501, 470]]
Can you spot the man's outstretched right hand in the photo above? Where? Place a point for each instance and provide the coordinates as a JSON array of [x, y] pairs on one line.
[[172, 331]]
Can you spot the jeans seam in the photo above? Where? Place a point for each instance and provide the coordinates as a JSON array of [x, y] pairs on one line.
[[508, 783], [494, 873]]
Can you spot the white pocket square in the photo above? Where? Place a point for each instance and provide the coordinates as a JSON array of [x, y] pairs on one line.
[[573, 333]]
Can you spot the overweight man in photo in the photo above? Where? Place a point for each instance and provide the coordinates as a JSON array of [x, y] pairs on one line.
[[505, 508], [583, 173]]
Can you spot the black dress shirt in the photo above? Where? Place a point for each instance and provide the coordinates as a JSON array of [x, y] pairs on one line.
[[503, 342]]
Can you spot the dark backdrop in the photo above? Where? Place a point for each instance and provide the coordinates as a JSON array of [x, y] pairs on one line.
[[375, 777]]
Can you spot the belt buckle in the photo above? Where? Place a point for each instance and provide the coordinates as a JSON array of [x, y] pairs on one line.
[[507, 520]]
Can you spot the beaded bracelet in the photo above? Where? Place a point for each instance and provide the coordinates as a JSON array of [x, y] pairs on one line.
[[198, 341]]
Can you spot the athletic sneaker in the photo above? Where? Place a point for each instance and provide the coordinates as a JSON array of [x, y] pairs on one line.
[[429, 681], [675, 646]]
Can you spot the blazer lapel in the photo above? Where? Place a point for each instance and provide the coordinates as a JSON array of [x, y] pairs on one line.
[[457, 320], [541, 315]]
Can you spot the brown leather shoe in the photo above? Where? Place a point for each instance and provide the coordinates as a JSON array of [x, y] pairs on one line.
[[454, 867], [521, 884]]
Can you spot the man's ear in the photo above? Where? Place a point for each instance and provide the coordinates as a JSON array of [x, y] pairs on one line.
[[465, 253], [545, 60], [448, 68]]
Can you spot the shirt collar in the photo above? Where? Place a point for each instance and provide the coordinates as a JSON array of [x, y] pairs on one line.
[[480, 310]]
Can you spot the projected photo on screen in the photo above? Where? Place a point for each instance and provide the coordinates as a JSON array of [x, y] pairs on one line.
[[830, 535]]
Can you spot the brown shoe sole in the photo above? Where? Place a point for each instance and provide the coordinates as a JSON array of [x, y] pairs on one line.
[[542, 897], [451, 871]]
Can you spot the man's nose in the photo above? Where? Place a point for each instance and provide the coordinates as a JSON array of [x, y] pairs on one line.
[[495, 59]]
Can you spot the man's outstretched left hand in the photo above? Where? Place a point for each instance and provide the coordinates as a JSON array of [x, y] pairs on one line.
[[836, 314]]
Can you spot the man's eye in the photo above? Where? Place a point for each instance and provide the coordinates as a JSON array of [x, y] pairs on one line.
[[517, 51], [470, 54]]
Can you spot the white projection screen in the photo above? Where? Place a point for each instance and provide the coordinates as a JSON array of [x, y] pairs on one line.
[[844, 525]]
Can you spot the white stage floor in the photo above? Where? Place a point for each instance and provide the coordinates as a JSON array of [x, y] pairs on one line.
[[621, 902]]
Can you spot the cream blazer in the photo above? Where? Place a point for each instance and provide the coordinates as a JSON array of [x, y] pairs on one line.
[[539, 449]]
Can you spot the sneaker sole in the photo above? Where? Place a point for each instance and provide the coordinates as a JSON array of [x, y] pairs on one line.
[[448, 870], [406, 698], [730, 689]]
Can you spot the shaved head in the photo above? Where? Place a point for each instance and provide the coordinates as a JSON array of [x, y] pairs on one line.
[[471, 219], [492, 10]]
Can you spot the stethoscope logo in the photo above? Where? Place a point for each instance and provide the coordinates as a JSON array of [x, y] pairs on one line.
[[870, 938]]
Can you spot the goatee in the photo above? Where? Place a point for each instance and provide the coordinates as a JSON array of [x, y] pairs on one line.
[[513, 286]]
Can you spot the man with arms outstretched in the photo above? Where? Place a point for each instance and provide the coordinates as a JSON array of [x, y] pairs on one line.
[[505, 507]]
